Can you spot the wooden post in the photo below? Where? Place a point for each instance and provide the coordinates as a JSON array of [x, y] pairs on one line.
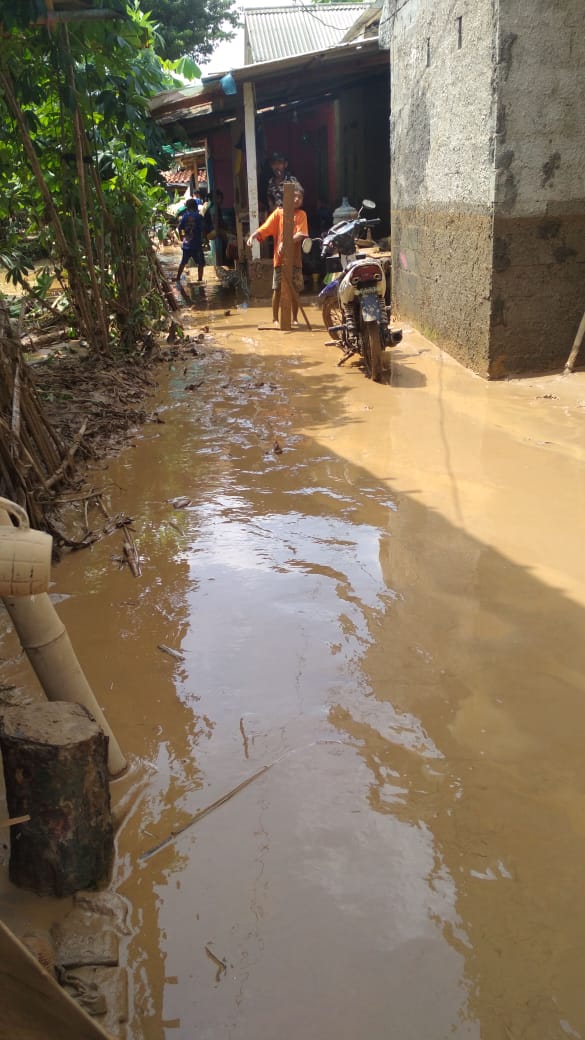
[[236, 134], [288, 209], [55, 770], [251, 166]]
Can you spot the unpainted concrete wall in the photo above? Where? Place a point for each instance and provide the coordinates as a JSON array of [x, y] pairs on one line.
[[442, 125], [488, 167], [539, 228]]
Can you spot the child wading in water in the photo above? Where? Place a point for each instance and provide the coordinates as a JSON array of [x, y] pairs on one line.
[[191, 231], [272, 226]]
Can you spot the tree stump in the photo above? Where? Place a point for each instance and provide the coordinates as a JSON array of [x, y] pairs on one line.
[[55, 770]]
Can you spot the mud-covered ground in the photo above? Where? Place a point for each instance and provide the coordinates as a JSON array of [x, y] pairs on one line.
[[349, 683]]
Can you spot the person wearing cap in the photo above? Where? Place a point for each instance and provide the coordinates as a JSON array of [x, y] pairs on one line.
[[272, 227], [280, 174]]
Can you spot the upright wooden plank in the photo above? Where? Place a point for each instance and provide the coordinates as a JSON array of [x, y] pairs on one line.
[[288, 207], [251, 164], [236, 133]]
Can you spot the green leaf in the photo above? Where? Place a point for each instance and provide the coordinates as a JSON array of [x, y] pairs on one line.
[[186, 67]]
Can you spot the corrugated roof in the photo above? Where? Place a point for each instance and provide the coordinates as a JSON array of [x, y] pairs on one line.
[[282, 32]]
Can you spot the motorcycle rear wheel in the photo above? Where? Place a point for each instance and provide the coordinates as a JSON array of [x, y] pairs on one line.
[[372, 345], [332, 316]]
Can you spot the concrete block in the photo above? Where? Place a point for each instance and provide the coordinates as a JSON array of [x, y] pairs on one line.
[[82, 939]]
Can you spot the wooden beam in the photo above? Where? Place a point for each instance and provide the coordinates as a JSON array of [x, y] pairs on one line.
[[251, 163], [34, 1006], [288, 210]]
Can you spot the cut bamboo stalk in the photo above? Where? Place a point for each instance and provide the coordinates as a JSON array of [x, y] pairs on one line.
[[576, 346]]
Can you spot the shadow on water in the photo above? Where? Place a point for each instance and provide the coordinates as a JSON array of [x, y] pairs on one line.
[[461, 690]]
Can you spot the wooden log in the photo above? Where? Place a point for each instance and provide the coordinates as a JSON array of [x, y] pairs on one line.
[[55, 770]]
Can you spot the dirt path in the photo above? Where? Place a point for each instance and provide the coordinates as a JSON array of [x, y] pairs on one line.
[[373, 603]]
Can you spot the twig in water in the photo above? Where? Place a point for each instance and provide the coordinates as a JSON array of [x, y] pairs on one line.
[[244, 738], [173, 653], [221, 965], [204, 812], [230, 794]]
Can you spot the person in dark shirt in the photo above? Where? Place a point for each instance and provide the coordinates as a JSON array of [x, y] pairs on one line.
[[191, 231], [280, 174], [215, 227]]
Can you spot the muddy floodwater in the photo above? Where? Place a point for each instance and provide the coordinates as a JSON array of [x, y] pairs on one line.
[[375, 606]]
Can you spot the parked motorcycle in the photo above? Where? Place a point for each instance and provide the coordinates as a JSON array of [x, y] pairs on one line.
[[353, 304]]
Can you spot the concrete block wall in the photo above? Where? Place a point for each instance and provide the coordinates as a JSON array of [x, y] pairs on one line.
[[442, 114], [487, 184], [538, 291]]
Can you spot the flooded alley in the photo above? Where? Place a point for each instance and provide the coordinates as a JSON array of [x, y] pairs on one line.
[[356, 641]]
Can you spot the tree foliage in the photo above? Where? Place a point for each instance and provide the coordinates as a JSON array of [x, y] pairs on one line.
[[78, 155], [192, 27]]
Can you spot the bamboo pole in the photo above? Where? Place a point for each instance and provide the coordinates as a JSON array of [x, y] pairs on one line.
[[79, 138], [576, 346], [14, 107]]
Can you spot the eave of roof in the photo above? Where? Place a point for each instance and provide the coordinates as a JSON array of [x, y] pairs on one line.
[[208, 94]]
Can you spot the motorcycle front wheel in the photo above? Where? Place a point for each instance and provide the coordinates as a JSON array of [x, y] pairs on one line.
[[372, 348], [332, 316]]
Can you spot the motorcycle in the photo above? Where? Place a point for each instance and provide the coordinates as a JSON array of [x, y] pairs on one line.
[[353, 304]]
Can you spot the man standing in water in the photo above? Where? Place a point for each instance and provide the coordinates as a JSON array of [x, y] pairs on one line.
[[191, 231], [272, 226]]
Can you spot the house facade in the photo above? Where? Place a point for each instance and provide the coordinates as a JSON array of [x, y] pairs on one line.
[[317, 89]]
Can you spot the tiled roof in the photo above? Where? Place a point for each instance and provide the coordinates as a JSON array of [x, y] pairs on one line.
[[282, 32], [176, 176]]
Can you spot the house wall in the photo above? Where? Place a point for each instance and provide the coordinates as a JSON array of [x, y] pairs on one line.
[[488, 197], [220, 159], [539, 227], [298, 133], [441, 140], [362, 154]]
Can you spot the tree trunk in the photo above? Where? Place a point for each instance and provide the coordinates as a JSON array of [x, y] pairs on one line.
[[55, 769]]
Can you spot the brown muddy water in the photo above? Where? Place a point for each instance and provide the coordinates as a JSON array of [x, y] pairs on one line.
[[377, 594]]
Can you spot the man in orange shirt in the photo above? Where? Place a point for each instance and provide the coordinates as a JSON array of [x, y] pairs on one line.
[[272, 226]]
